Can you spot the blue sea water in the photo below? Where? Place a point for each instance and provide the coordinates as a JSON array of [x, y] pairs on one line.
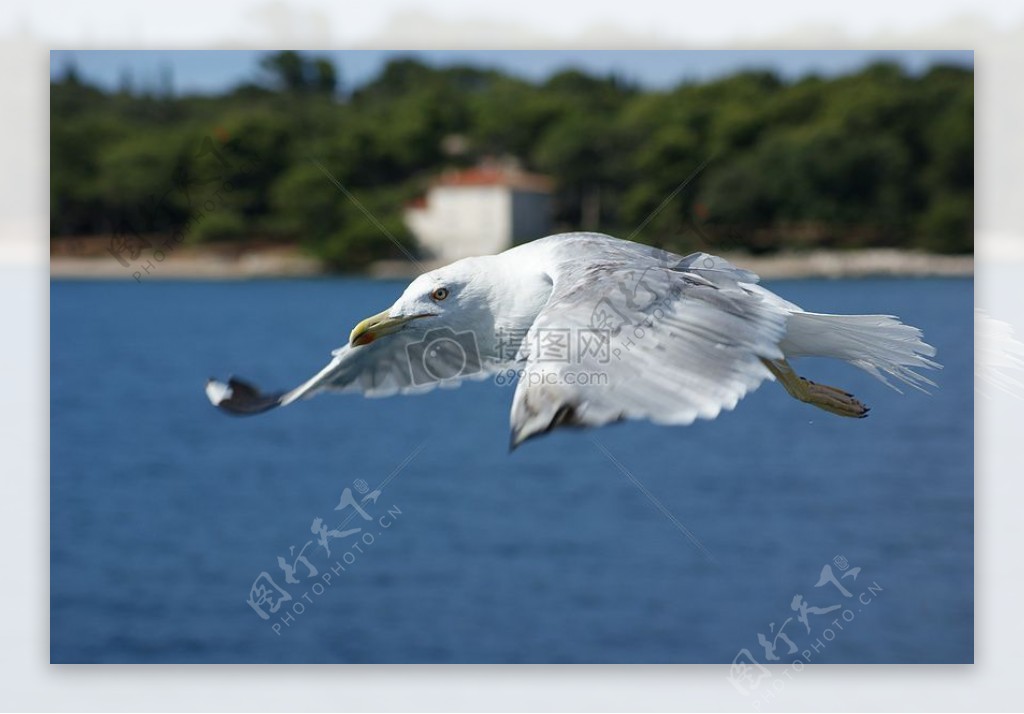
[[579, 547]]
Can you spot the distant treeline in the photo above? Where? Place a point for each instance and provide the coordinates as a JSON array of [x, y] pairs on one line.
[[876, 158]]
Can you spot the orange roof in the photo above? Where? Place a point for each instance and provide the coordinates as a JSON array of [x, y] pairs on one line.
[[494, 176]]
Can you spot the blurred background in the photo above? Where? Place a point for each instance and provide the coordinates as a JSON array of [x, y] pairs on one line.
[[166, 515], [457, 153]]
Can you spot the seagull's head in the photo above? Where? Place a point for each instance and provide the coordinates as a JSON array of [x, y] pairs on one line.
[[458, 296]]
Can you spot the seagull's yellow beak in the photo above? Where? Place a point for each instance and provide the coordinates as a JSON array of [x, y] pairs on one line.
[[377, 326]]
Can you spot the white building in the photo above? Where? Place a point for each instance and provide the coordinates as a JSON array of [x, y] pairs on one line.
[[480, 211]]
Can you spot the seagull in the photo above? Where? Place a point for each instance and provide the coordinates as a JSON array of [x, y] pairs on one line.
[[593, 330]]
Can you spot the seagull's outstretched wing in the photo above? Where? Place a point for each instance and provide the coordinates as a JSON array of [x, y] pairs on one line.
[[391, 365], [668, 343]]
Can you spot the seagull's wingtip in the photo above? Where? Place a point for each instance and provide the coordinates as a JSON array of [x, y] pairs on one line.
[[217, 392], [238, 397]]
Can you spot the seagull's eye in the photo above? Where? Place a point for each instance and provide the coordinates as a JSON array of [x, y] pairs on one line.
[[439, 294]]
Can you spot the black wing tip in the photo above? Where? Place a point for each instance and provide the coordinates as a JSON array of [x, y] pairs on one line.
[[239, 397]]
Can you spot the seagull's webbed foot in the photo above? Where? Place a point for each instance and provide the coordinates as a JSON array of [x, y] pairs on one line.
[[831, 399]]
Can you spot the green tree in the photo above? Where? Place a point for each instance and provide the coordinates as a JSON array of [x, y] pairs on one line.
[[875, 157]]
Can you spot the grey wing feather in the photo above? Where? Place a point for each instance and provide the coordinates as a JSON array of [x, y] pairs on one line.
[[683, 342], [716, 269], [379, 369]]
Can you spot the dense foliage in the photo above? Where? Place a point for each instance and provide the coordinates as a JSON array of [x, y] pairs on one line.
[[876, 158]]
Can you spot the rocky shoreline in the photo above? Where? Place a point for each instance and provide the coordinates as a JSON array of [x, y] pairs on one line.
[[286, 262]]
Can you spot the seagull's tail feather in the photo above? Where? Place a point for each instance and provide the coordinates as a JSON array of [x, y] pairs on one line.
[[881, 345], [241, 398]]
